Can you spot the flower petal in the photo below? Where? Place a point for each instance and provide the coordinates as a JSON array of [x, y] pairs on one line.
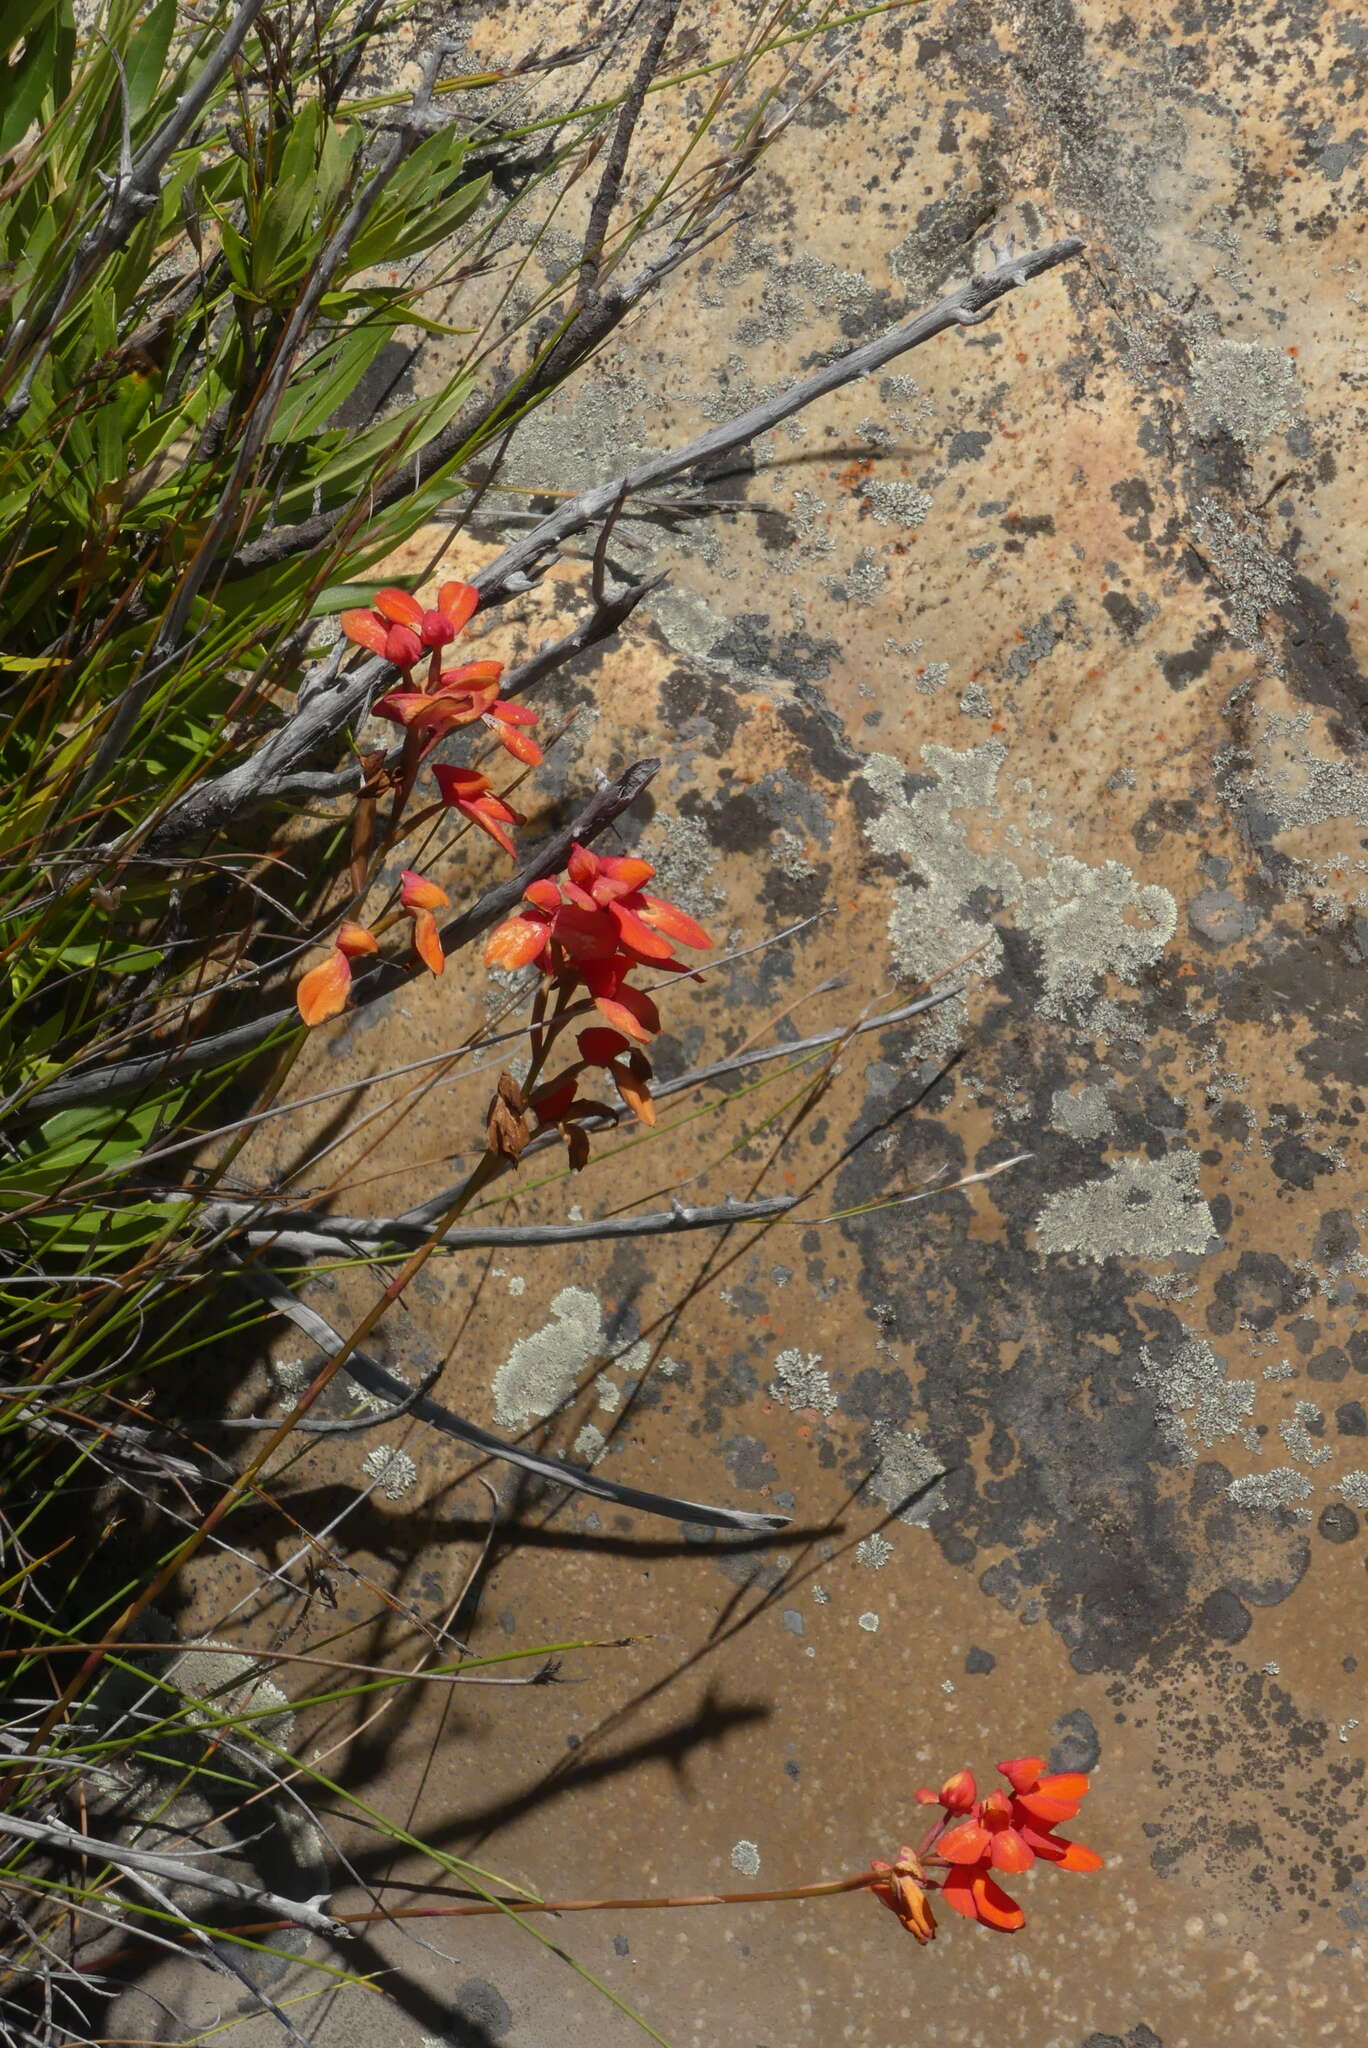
[[639, 936], [514, 742], [1011, 1851], [1046, 1811], [416, 892], [427, 941], [667, 917], [968, 1843], [322, 992], [1022, 1771], [515, 943], [957, 1794], [459, 785], [995, 1908], [630, 1011], [490, 815], [634, 1092], [366, 630], [353, 939], [457, 603], [399, 607], [599, 1046]]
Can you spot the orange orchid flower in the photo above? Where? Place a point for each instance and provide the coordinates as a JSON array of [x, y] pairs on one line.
[[420, 898], [1006, 1832], [322, 992], [467, 791], [600, 1047], [400, 629]]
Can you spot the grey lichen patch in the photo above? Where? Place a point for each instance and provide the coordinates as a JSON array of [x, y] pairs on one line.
[[1200, 1405], [393, 1471], [1354, 1488], [873, 1552], [1139, 1209], [233, 1685], [1090, 921], [689, 624], [799, 1382], [1297, 789], [975, 702], [590, 1444], [1298, 1433], [1256, 580], [541, 1370], [1087, 922], [897, 504], [870, 1623], [906, 1475], [1082, 1115], [685, 860], [1278, 1488], [1220, 916], [862, 583], [745, 1857], [1244, 387]]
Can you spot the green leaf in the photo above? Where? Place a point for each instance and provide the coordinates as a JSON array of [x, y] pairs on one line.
[[146, 57], [412, 201], [24, 83], [327, 380], [347, 457], [289, 203]]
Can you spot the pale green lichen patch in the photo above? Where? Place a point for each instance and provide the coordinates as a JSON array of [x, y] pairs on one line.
[[1088, 922], [799, 1382], [542, 1369], [1243, 387], [1139, 1209], [1200, 1405], [904, 1479]]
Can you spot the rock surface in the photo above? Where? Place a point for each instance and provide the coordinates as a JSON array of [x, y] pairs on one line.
[[1039, 661]]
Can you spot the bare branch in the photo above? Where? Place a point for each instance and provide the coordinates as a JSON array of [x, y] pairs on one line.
[[511, 571], [316, 1235], [610, 184], [68, 1841], [330, 710], [376, 1380]]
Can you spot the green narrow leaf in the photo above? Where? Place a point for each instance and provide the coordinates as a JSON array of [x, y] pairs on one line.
[[146, 57], [335, 373], [23, 84], [289, 202]]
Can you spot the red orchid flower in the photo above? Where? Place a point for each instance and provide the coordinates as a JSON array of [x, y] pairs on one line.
[[560, 934], [420, 898], [956, 1795], [600, 1047], [323, 991], [460, 696], [400, 629], [454, 698], [1007, 1833], [599, 912], [467, 791], [646, 924]]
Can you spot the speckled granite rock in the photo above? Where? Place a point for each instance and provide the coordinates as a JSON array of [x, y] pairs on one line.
[[1044, 655]]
